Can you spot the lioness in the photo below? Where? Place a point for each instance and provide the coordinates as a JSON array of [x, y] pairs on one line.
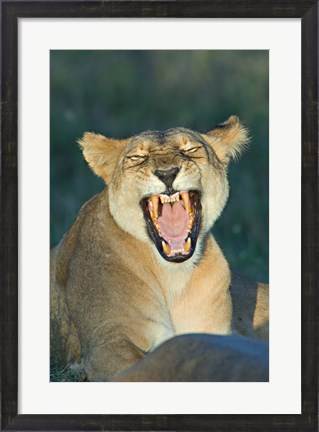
[[140, 265]]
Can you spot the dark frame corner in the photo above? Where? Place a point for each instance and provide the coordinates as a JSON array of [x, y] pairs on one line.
[[11, 11]]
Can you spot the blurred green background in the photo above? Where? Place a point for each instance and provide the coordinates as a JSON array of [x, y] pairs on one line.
[[122, 93]]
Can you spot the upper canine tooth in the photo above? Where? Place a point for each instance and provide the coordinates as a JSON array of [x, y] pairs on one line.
[[186, 201], [191, 221], [154, 201]]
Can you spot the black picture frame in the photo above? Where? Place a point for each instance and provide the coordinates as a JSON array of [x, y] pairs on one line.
[[11, 11]]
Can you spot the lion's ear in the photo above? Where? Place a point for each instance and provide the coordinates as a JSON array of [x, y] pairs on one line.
[[101, 153], [228, 139]]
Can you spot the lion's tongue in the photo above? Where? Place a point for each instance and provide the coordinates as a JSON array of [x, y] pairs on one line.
[[173, 224]]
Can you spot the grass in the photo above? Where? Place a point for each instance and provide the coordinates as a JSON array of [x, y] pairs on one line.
[[66, 374]]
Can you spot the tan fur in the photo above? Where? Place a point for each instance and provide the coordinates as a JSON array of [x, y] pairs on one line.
[[203, 357], [119, 298]]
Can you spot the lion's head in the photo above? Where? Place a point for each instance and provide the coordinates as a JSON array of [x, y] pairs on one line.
[[168, 186]]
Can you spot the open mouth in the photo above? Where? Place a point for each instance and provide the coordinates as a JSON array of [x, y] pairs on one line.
[[173, 223]]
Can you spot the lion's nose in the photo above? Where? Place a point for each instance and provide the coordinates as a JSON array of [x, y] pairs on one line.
[[167, 176]]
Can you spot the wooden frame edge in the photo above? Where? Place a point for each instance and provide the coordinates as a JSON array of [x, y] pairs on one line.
[[10, 12]]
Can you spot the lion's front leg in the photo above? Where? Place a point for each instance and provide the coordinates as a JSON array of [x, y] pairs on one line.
[[103, 361]]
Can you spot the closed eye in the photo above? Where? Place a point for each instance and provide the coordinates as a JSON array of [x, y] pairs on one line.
[[191, 150], [137, 157]]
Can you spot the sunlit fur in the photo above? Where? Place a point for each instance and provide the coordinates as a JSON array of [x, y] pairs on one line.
[[113, 295], [130, 181]]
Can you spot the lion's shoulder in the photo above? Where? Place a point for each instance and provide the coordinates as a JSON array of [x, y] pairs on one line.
[[79, 234]]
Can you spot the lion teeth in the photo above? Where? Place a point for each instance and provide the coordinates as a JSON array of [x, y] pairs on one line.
[[171, 252], [187, 245], [187, 203], [169, 198], [154, 201], [166, 248], [158, 228]]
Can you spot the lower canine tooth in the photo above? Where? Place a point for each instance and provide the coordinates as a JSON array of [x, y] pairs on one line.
[[166, 248], [187, 245]]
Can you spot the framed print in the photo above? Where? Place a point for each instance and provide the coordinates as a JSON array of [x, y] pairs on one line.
[[49, 50]]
